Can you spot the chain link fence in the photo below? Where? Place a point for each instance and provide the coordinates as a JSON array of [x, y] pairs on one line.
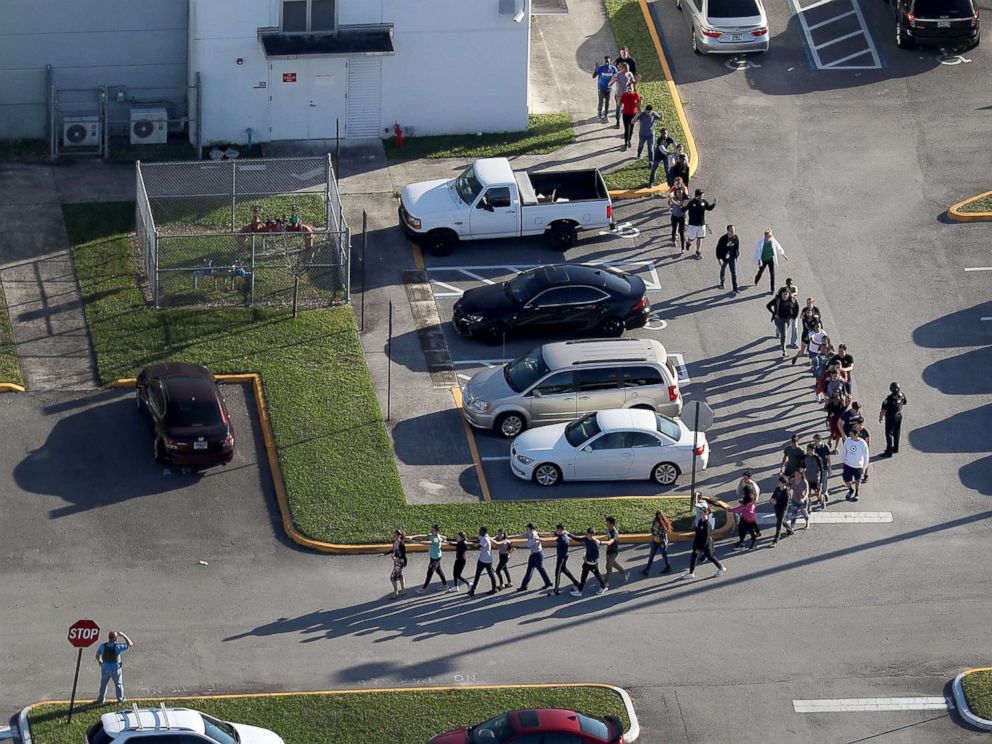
[[236, 233]]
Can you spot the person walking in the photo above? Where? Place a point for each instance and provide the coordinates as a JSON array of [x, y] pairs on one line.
[[562, 540], [813, 468], [505, 546], [678, 167], [109, 657], [398, 553], [784, 310], [808, 317], [661, 527], [815, 344], [892, 413], [780, 499], [748, 485], [664, 146], [748, 522], [728, 250], [794, 325], [645, 130], [836, 407], [613, 550], [590, 564], [678, 198], [604, 77], [461, 549], [485, 561], [855, 458], [535, 561], [702, 542], [852, 417], [845, 362], [624, 58], [696, 212], [435, 542], [799, 489], [822, 450], [766, 254], [792, 457], [630, 102], [622, 80]]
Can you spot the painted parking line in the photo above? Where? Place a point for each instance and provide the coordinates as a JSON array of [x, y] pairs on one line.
[[652, 282], [677, 356], [824, 517], [837, 35], [872, 705], [978, 268]]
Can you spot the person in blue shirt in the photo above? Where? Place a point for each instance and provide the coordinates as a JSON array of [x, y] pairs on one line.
[[109, 657], [604, 77]]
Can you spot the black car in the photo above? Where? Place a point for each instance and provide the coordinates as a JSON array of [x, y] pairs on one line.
[[191, 423], [947, 23], [560, 298]]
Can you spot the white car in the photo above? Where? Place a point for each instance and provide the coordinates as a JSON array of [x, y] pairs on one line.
[[173, 726], [618, 444]]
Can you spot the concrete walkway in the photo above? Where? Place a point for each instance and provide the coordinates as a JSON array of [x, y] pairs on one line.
[[39, 280]]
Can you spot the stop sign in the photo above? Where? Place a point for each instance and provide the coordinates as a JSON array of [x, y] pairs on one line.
[[83, 633]]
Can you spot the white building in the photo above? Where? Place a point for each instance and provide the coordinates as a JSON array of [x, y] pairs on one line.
[[289, 69]]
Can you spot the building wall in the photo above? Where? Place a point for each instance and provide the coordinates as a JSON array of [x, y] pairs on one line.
[[109, 42], [460, 66]]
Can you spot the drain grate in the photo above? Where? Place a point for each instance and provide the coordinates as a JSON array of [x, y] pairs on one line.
[[428, 322]]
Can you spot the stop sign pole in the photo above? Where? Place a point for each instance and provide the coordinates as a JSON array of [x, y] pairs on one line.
[[82, 634], [702, 419]]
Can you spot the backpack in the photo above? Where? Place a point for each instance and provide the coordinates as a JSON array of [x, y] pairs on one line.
[[109, 653]]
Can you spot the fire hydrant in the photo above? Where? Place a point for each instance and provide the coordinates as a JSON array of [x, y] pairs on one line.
[[398, 134]]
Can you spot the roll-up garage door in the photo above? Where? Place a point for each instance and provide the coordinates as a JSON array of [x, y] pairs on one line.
[[364, 96]]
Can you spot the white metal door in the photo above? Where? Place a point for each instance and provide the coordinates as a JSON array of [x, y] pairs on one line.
[[289, 99], [327, 98], [364, 96]]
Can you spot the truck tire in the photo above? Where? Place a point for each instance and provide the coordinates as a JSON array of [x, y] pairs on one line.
[[562, 236], [440, 242]]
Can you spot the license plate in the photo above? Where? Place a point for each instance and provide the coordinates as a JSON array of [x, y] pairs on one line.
[[200, 445], [943, 24], [737, 37]]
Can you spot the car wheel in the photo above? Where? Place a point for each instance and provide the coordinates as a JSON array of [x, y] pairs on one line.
[[611, 327], [695, 44], [493, 334], [562, 236], [158, 450], [440, 242], [508, 425], [547, 474], [665, 473]]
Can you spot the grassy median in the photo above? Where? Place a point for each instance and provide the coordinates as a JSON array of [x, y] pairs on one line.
[[545, 133], [10, 368], [978, 205], [403, 717], [978, 692], [337, 459]]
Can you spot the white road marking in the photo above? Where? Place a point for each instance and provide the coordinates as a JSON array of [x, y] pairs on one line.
[[655, 323], [652, 282], [463, 377], [483, 362], [825, 517], [473, 275], [684, 378], [455, 291], [839, 39], [990, 318], [838, 64], [862, 53], [956, 59], [740, 63], [495, 457], [872, 705], [978, 268], [830, 20]]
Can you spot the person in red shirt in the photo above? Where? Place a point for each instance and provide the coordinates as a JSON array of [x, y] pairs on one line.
[[630, 104]]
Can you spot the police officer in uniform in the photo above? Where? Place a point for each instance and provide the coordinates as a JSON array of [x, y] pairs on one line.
[[892, 413]]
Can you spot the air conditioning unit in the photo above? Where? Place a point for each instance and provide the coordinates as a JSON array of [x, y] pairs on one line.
[[81, 131], [149, 126]]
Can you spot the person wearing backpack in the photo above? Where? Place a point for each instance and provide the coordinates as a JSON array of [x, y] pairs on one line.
[[108, 655]]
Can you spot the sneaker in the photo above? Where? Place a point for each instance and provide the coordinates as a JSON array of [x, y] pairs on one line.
[[773, 543], [453, 588], [720, 572], [575, 593], [491, 591], [807, 524], [471, 593], [625, 576], [603, 590], [739, 545], [854, 498], [789, 531], [687, 576], [509, 583], [667, 570], [521, 588]]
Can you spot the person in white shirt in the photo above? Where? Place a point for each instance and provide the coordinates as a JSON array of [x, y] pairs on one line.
[[535, 561], [485, 562], [766, 254], [855, 458]]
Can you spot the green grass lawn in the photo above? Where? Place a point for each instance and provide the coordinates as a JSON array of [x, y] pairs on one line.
[[978, 692], [10, 368], [545, 133], [630, 30], [336, 457], [355, 718], [979, 205]]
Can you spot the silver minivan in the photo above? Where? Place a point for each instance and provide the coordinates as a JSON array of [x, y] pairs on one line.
[[725, 26], [564, 380]]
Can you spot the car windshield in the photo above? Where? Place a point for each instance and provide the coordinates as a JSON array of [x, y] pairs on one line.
[[582, 430], [593, 726], [193, 412], [668, 427], [496, 731], [468, 186], [938, 8], [523, 286], [732, 9], [220, 731], [524, 371]]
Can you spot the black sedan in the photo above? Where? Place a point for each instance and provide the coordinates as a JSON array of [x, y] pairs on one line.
[[559, 298], [191, 423]]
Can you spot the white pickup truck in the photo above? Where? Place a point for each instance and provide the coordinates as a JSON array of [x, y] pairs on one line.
[[490, 200]]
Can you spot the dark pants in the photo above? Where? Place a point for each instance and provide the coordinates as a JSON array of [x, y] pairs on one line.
[[771, 273], [628, 128], [561, 568], [481, 566], [780, 520], [781, 325], [658, 547], [434, 565], [892, 426], [708, 552], [678, 226], [658, 161], [592, 568], [730, 263], [747, 528], [535, 563], [603, 105], [502, 570], [459, 567]]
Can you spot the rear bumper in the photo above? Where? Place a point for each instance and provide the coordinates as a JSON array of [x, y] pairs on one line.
[[931, 37], [717, 46], [200, 460], [638, 319]]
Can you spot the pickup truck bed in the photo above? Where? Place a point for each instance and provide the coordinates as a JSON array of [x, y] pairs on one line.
[[564, 186]]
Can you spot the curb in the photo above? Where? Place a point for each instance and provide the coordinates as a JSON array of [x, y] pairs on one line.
[[955, 213], [959, 699], [302, 540], [11, 387], [631, 735]]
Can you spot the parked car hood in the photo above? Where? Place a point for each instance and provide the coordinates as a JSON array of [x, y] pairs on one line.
[[255, 735], [488, 385], [544, 439], [489, 299], [429, 197]]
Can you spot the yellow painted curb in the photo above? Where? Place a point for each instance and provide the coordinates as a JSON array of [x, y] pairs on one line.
[[957, 215], [966, 672], [639, 193], [473, 448], [11, 387]]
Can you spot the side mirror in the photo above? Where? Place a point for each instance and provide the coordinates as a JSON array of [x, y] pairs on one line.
[[587, 448], [537, 394]]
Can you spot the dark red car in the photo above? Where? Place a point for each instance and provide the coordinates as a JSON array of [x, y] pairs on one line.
[[539, 726], [191, 423]]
